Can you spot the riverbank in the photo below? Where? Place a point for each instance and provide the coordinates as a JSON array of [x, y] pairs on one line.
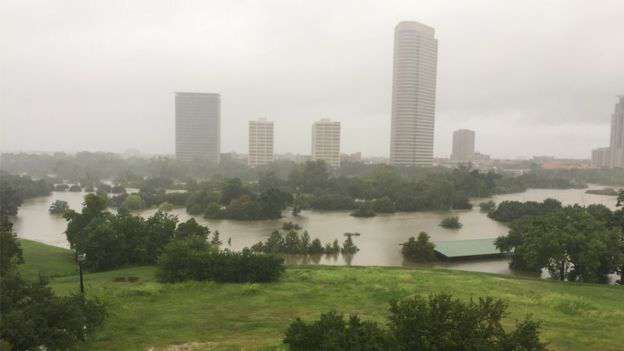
[[210, 316]]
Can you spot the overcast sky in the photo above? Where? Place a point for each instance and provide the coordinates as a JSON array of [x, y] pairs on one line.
[[530, 77]]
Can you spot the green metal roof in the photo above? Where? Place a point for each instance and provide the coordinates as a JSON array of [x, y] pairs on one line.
[[467, 248]]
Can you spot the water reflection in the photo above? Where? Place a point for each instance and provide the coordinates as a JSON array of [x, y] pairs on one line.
[[378, 243]]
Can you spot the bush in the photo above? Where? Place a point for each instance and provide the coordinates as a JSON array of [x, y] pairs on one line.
[[58, 207], [331, 332], [32, 316], [421, 250], [451, 223], [364, 210], [488, 206], [195, 259], [442, 322], [439, 323], [133, 202]]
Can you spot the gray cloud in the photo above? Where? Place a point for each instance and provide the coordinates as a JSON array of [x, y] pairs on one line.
[[531, 77]]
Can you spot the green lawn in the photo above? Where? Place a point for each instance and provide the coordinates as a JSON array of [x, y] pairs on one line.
[[50, 261], [210, 316]]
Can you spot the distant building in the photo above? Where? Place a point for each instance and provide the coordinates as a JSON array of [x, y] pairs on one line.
[[616, 145], [543, 158], [601, 157], [479, 157], [326, 142], [413, 94], [354, 157], [463, 145], [197, 126], [260, 142]]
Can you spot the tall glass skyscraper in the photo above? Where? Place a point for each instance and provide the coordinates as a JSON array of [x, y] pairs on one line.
[[198, 126], [616, 144], [413, 94]]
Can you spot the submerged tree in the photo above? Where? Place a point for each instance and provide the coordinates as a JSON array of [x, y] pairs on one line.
[[421, 250]]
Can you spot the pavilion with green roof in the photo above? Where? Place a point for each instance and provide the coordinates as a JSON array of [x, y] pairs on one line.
[[467, 249]]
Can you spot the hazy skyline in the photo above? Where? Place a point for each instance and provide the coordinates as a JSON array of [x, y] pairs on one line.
[[530, 77]]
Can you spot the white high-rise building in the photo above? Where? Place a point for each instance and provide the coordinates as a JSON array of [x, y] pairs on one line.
[[616, 145], [260, 142], [326, 142], [413, 94], [463, 145], [197, 126]]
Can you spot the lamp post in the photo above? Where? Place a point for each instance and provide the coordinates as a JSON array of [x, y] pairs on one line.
[[81, 258]]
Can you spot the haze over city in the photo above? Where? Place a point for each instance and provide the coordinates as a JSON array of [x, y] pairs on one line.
[[531, 78]]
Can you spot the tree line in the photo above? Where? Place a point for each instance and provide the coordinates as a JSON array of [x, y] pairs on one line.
[[573, 243]]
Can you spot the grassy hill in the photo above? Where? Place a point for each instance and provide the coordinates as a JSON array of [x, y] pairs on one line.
[[146, 315]]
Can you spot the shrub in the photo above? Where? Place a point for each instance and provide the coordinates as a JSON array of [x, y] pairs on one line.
[[365, 209], [332, 332], [291, 226], [133, 202], [440, 322], [421, 250], [488, 206], [58, 207], [195, 259], [451, 223]]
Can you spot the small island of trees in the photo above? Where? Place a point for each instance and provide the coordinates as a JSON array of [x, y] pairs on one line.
[[419, 250], [451, 223]]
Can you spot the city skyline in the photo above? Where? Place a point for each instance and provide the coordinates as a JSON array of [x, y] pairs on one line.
[[116, 77]]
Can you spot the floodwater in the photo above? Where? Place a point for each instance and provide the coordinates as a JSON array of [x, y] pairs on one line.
[[379, 238]]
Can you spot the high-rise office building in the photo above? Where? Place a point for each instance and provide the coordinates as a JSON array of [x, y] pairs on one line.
[[601, 157], [413, 94], [463, 145], [616, 145], [326, 142], [260, 142], [197, 126]]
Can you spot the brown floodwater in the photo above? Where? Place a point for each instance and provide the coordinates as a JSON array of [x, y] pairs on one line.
[[379, 238]]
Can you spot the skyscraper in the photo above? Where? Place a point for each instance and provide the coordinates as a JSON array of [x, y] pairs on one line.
[[463, 145], [413, 94], [326, 142], [197, 126], [260, 142], [616, 145]]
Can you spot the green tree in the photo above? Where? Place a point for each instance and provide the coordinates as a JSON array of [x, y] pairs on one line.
[[487, 206], [216, 241], [421, 250], [133, 202], [58, 207], [191, 228], [451, 222], [442, 322], [570, 243]]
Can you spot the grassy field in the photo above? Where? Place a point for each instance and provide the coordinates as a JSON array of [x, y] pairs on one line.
[[146, 315], [48, 260]]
